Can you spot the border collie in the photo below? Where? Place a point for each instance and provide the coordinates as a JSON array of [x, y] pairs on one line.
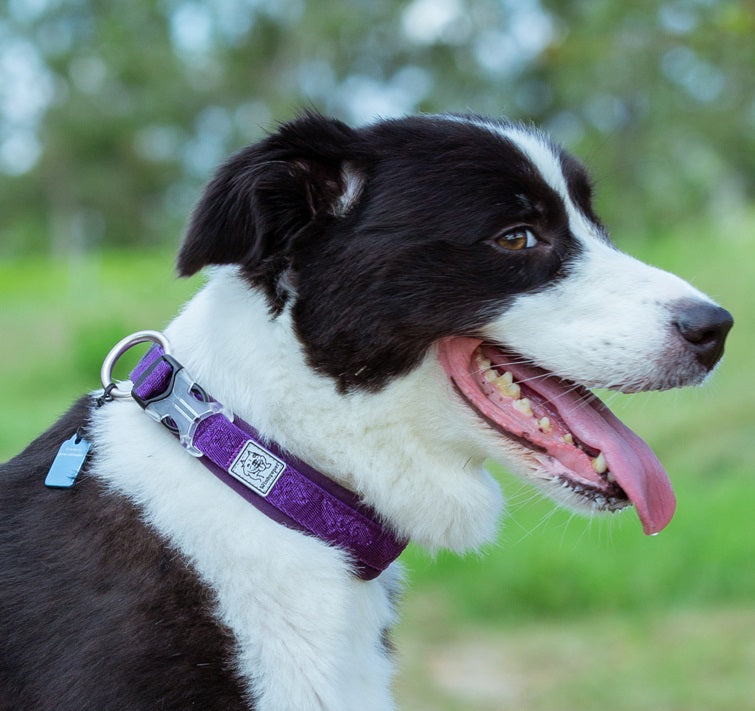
[[387, 307]]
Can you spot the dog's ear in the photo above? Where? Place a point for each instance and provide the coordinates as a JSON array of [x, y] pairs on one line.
[[310, 170]]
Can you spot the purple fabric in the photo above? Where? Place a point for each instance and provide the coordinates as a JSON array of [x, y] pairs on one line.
[[302, 498], [157, 381]]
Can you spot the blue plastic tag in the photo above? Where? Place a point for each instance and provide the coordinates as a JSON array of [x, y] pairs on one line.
[[68, 462]]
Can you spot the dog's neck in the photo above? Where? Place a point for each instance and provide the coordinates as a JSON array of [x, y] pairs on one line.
[[396, 448]]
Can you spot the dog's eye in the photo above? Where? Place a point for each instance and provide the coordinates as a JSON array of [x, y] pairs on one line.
[[516, 239]]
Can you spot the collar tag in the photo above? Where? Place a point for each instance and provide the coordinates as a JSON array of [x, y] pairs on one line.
[[68, 462], [256, 468]]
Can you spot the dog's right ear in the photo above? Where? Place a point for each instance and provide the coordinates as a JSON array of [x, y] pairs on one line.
[[261, 200]]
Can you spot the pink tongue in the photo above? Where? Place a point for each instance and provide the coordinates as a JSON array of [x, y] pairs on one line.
[[633, 464], [631, 461]]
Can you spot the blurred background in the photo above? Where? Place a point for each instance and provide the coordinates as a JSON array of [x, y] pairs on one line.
[[113, 115]]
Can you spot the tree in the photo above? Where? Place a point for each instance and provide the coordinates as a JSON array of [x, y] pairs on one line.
[[126, 108]]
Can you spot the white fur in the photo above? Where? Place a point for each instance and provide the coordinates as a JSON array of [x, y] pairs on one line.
[[589, 344], [353, 184], [308, 632]]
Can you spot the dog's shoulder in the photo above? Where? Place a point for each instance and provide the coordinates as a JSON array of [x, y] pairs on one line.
[[94, 593]]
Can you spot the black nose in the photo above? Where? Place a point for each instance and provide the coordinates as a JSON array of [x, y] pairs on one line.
[[704, 326]]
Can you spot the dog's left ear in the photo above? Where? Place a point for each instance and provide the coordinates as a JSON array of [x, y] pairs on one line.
[[251, 213]]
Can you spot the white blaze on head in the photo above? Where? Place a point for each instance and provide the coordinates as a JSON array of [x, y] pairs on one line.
[[539, 150]]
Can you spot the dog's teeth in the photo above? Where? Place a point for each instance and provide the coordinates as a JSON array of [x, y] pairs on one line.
[[507, 378], [490, 375], [568, 438], [507, 387], [599, 464], [524, 406], [483, 363], [610, 478], [544, 424]]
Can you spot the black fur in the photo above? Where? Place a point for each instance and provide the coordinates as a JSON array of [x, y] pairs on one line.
[[96, 611], [434, 195]]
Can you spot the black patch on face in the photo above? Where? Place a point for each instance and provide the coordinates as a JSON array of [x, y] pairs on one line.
[[413, 260], [96, 611]]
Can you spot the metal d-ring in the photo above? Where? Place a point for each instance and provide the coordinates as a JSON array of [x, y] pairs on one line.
[[106, 373]]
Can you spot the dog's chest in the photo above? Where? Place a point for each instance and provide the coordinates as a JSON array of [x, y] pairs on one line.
[[308, 634]]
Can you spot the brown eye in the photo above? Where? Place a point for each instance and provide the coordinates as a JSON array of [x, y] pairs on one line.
[[516, 239]]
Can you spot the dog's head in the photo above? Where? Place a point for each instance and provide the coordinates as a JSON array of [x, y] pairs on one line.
[[473, 242]]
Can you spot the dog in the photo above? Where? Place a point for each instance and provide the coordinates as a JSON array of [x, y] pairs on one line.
[[390, 307]]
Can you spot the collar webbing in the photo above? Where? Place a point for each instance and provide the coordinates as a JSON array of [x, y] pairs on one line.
[[287, 490]]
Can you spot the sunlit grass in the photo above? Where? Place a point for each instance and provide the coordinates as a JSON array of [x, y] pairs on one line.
[[680, 660], [58, 320]]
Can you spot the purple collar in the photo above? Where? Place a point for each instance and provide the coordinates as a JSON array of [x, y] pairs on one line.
[[285, 489]]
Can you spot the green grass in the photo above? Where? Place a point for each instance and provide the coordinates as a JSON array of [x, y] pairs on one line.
[[562, 612], [548, 563], [679, 661], [58, 320]]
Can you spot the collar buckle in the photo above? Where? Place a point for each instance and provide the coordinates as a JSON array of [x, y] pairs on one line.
[[181, 405]]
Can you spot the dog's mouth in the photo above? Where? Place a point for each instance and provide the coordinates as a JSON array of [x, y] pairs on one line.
[[568, 438]]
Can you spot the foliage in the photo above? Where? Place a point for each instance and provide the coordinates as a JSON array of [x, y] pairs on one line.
[[112, 115]]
